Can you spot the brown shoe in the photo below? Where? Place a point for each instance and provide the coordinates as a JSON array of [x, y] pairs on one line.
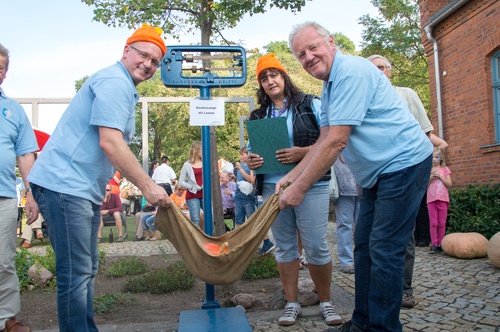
[[13, 325], [26, 244], [39, 234]]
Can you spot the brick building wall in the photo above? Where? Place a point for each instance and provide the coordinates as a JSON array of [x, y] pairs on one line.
[[466, 41]]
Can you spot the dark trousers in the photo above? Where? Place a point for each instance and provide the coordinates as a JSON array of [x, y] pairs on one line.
[[167, 187], [422, 234]]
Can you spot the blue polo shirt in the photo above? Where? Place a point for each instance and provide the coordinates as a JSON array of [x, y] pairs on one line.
[[72, 162], [17, 138], [385, 136]]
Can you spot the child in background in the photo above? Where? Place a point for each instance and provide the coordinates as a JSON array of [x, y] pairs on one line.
[[438, 199], [244, 203]]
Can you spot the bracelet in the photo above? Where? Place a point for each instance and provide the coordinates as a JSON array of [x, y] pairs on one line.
[[26, 192]]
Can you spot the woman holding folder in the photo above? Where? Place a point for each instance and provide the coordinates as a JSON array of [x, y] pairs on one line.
[[279, 97]]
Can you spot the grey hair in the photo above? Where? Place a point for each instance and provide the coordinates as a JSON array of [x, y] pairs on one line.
[[301, 27], [5, 52], [376, 56]]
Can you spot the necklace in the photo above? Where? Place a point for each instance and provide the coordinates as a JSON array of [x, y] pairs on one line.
[[279, 109]]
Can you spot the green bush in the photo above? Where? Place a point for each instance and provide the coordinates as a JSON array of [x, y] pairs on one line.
[[475, 209], [24, 260], [127, 266], [175, 277], [108, 302], [48, 261], [262, 267]]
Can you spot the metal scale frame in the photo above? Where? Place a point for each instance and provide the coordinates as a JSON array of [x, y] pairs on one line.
[[204, 68]]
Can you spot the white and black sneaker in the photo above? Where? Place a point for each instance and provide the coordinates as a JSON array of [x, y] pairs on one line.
[[291, 314], [328, 312]]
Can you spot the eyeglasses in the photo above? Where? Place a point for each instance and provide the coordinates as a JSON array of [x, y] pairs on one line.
[[108, 189], [146, 56], [382, 67]]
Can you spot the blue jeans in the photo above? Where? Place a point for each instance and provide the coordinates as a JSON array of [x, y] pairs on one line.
[[148, 221], [72, 224], [243, 208], [346, 214], [385, 223], [194, 207]]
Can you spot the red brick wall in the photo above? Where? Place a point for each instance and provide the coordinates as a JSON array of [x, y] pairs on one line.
[[466, 41]]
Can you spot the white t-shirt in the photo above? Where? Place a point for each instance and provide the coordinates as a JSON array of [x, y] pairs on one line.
[[164, 174]]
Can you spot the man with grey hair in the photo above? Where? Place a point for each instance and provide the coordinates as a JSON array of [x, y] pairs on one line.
[[17, 143], [417, 109], [364, 119]]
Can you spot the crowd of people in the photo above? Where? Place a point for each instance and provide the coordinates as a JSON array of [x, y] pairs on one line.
[[375, 137]]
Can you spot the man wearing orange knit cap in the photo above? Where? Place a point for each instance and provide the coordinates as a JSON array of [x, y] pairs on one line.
[[69, 178]]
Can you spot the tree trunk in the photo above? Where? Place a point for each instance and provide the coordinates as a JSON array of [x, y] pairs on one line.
[[218, 213]]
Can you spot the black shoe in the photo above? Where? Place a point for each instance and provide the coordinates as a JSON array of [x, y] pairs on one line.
[[139, 238], [433, 250], [439, 249], [347, 327]]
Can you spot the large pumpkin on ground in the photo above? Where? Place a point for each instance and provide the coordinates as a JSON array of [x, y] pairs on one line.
[[494, 250], [465, 245]]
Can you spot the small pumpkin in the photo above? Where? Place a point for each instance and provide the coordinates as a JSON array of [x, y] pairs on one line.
[[465, 245], [494, 250], [216, 249]]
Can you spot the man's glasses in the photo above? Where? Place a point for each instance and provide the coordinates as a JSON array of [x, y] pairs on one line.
[[381, 67], [146, 56]]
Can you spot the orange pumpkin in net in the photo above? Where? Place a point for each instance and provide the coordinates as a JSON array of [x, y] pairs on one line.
[[216, 249]]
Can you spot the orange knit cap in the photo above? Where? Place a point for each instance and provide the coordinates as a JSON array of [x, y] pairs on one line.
[[147, 33], [268, 61]]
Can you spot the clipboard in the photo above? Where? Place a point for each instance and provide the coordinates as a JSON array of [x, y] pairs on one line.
[[266, 136]]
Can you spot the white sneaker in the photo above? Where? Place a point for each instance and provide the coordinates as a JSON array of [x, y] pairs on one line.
[[330, 315], [290, 316]]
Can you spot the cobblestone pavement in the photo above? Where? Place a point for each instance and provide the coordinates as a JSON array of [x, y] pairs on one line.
[[451, 294]]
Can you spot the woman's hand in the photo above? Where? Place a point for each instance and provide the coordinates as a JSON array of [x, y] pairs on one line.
[[254, 161], [291, 155]]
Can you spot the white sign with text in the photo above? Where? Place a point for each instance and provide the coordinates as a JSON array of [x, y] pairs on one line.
[[207, 112]]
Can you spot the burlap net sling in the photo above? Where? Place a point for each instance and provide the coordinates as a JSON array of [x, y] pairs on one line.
[[225, 268]]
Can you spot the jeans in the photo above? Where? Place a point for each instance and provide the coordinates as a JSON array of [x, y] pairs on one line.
[[72, 224], [194, 207], [346, 214], [148, 220], [243, 209], [386, 221]]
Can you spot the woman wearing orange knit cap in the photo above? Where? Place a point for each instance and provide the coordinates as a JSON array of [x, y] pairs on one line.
[[279, 97], [69, 178]]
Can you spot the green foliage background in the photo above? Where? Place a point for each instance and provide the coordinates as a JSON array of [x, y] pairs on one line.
[[395, 33], [475, 209]]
